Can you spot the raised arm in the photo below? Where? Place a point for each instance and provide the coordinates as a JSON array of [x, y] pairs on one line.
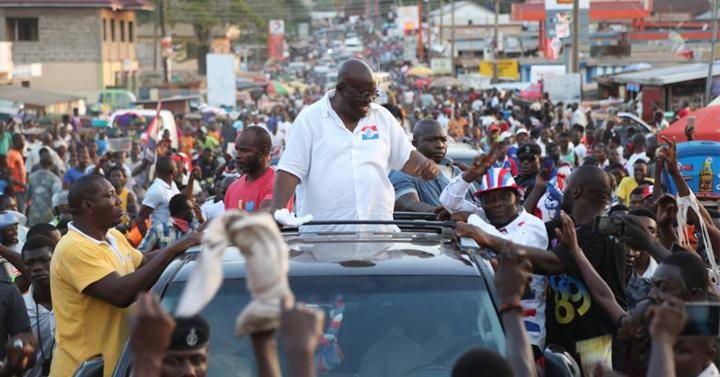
[[667, 322], [537, 192], [600, 291], [669, 154], [512, 276]]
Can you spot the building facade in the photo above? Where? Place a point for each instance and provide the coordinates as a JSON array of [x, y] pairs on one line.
[[83, 46]]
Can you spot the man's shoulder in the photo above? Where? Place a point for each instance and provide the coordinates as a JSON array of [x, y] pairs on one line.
[[532, 220], [314, 109]]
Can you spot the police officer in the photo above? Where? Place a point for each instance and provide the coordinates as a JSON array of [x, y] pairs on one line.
[[529, 165], [187, 355]]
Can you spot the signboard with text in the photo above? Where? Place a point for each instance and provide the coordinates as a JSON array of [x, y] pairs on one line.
[[566, 88], [507, 69], [441, 66], [407, 17], [276, 39], [221, 79]]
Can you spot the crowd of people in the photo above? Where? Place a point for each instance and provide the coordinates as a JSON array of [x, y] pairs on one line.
[[86, 229]]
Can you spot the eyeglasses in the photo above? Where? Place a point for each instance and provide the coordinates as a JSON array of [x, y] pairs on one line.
[[367, 94]]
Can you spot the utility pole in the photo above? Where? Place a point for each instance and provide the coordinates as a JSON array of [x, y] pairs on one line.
[[163, 31], [442, 22], [495, 43], [575, 58], [428, 51], [156, 40], [452, 37], [420, 46], [711, 62]]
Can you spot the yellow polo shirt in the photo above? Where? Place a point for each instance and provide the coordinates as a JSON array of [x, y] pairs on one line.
[[626, 186], [87, 326]]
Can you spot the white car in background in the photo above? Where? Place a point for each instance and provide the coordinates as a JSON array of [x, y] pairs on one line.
[[167, 121], [462, 152]]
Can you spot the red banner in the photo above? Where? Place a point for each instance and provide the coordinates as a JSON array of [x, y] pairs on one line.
[[276, 39]]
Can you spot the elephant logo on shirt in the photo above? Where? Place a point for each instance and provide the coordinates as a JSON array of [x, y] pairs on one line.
[[370, 132]]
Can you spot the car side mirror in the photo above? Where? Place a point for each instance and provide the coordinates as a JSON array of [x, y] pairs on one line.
[[91, 368]]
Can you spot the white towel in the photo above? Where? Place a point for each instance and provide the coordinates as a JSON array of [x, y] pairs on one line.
[[266, 264]]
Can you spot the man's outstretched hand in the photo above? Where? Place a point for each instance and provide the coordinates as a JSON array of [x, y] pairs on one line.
[[513, 273]]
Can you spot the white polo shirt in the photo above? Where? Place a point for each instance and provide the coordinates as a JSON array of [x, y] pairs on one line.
[[344, 175], [158, 198]]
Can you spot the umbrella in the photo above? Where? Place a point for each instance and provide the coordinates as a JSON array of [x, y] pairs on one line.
[[276, 87], [707, 125], [130, 118], [446, 82], [419, 71]]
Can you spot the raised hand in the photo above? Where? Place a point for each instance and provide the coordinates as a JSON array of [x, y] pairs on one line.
[[300, 326], [668, 319], [512, 275], [567, 234], [151, 327]]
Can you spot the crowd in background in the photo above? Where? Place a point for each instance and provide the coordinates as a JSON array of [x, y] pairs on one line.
[[546, 170]]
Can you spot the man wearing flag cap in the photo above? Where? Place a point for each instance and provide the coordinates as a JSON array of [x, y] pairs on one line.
[[501, 214]]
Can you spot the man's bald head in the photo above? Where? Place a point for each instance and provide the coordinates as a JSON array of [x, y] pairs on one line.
[[590, 184], [355, 91], [256, 136], [426, 127], [165, 166], [355, 69], [86, 187]]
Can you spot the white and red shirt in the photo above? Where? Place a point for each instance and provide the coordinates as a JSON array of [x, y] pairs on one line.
[[343, 174], [526, 230]]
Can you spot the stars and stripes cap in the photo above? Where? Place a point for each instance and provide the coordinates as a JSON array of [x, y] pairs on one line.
[[496, 179]]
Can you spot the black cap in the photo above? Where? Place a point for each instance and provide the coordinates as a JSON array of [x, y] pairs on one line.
[[190, 333], [529, 149]]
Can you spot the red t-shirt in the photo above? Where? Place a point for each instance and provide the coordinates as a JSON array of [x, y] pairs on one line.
[[16, 164], [249, 195]]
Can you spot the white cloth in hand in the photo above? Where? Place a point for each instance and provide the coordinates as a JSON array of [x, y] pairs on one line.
[[285, 217], [266, 264]]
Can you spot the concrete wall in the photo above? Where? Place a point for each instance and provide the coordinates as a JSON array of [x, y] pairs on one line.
[[71, 47], [83, 78], [64, 35]]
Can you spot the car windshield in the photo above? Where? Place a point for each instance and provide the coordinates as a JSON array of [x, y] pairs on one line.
[[375, 325]]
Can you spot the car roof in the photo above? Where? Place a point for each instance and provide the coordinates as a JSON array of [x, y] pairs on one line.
[[353, 255]]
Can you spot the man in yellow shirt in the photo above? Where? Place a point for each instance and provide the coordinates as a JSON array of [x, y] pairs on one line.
[[628, 184], [95, 275]]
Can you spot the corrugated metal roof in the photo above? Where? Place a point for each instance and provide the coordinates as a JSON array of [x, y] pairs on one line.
[[114, 4], [665, 75], [35, 97]]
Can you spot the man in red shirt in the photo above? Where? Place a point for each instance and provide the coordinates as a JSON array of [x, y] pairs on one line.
[[684, 110], [253, 190], [18, 174]]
